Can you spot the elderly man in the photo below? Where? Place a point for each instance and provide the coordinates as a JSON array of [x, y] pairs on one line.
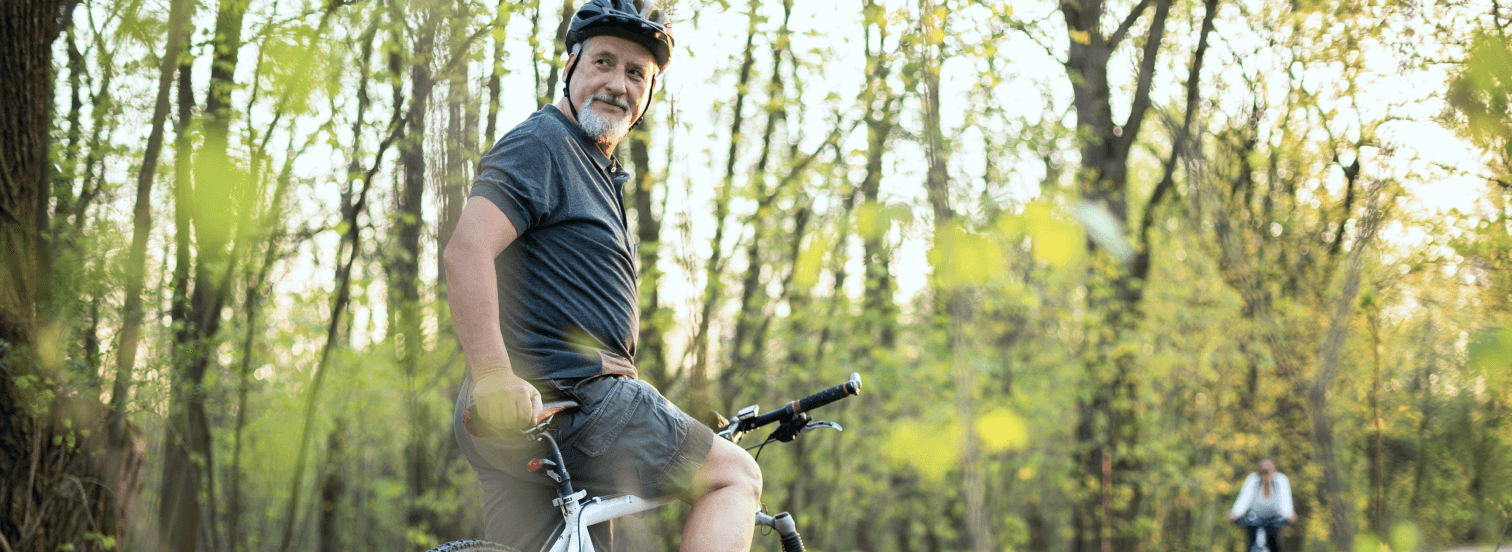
[[543, 295]]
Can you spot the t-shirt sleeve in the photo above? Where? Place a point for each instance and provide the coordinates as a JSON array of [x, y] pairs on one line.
[[516, 176]]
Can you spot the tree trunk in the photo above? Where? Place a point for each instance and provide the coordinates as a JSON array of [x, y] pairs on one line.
[[650, 342], [348, 252], [745, 347], [956, 296], [1107, 427], [701, 396], [558, 48], [44, 505], [1339, 504], [501, 23], [331, 491], [881, 118], [404, 263]]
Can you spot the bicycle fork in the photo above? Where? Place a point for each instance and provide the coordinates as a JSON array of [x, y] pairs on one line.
[[786, 529]]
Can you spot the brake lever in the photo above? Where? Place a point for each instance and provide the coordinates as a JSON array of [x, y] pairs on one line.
[[820, 425]]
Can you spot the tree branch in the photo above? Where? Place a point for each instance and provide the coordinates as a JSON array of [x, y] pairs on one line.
[[1141, 103], [1123, 28], [1178, 144]]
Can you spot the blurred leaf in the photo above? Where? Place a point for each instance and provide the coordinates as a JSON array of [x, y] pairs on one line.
[[217, 187], [961, 257], [1366, 542], [811, 259], [1405, 537], [867, 222], [932, 451], [1056, 241], [1105, 229], [1002, 430]]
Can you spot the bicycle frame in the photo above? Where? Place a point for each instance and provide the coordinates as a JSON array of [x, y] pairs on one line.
[[600, 509], [578, 516]]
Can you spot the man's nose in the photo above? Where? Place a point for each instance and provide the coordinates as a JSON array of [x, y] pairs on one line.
[[617, 84]]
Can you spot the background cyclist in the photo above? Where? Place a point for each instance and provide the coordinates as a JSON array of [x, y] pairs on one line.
[[1264, 504]]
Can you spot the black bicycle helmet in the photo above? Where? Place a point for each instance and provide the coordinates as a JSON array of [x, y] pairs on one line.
[[639, 21]]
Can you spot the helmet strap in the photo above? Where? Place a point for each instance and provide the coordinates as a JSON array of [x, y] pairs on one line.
[[648, 103], [567, 85]]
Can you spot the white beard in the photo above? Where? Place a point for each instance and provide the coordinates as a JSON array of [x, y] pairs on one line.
[[600, 130]]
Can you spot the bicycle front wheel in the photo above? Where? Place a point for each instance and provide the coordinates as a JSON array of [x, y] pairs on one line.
[[471, 546]]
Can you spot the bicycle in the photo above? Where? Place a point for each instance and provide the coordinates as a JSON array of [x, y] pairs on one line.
[[579, 511], [1265, 526]]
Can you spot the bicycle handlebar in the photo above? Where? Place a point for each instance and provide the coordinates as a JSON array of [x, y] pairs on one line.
[[805, 404]]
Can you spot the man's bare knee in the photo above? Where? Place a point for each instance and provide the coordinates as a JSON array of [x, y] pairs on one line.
[[745, 474], [728, 467]]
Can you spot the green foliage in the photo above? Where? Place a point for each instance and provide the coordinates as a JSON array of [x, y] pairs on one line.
[[1482, 94], [1490, 353]]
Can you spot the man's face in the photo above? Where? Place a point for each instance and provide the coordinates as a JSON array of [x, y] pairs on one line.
[[1267, 467], [610, 84]]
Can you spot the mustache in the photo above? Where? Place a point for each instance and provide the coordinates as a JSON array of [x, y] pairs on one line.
[[608, 99]]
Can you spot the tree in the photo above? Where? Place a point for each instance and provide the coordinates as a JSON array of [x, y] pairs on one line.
[[46, 504]]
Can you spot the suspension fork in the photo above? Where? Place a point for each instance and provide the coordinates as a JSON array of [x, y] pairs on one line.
[[786, 529]]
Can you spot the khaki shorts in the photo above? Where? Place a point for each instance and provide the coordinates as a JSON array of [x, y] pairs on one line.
[[625, 438]]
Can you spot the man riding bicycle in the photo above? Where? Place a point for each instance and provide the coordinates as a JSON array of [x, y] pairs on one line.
[[542, 278]]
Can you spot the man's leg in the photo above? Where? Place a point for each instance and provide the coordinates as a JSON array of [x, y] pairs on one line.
[[725, 495]]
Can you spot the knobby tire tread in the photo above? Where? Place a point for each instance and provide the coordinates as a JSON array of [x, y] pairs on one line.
[[471, 546]]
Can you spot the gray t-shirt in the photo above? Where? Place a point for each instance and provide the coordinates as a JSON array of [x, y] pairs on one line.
[[567, 285]]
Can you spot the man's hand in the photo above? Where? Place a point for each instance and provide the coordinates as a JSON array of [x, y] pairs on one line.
[[504, 400], [1232, 517], [1291, 518]]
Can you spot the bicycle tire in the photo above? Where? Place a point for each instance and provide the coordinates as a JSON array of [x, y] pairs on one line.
[[471, 546]]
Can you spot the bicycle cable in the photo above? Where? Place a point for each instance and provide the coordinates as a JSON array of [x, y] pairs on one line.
[[760, 447]]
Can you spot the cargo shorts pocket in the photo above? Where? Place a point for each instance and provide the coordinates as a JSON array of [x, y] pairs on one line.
[[608, 416]]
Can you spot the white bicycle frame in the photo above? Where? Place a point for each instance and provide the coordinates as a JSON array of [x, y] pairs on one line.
[[578, 516]]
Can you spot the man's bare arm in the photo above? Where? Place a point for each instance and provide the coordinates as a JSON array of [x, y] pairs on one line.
[[483, 231]]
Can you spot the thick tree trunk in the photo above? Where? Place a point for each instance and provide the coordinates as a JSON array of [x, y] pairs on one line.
[[1108, 424], [332, 488], [1338, 500], [187, 447], [43, 505]]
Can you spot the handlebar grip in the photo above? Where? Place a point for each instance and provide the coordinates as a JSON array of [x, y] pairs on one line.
[[808, 403], [827, 396]]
